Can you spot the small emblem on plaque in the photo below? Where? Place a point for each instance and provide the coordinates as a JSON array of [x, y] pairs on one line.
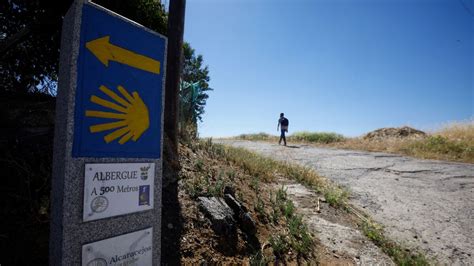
[[144, 172], [144, 195], [99, 204]]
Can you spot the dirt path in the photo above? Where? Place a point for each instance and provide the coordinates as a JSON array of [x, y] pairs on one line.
[[422, 203]]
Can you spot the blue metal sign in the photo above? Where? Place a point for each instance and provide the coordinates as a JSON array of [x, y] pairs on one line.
[[120, 77]]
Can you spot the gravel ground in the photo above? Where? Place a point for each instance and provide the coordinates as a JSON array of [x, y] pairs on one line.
[[423, 204]]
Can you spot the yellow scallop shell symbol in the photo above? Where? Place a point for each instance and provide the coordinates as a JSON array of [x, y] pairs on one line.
[[131, 113]]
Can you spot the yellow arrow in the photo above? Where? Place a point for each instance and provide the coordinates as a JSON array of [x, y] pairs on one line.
[[105, 52]]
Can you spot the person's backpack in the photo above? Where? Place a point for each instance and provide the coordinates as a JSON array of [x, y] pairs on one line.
[[285, 122]]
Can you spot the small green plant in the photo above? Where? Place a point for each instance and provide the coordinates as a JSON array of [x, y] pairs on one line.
[[194, 188], [260, 209], [231, 174], [198, 165], [203, 186], [301, 240], [304, 244], [373, 232], [259, 259], [279, 244], [400, 255], [336, 196], [288, 209], [240, 196], [217, 189], [275, 214], [278, 204], [281, 195], [255, 184], [295, 225], [207, 182]]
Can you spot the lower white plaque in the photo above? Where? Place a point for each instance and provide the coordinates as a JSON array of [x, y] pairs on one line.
[[117, 188], [130, 249]]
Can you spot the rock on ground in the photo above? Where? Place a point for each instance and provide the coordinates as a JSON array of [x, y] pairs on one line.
[[393, 132], [219, 213]]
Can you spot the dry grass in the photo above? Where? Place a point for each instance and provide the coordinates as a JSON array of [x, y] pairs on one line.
[[454, 142], [392, 145], [266, 169], [458, 131]]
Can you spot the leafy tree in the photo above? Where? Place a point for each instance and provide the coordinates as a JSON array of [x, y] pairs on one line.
[[194, 85], [29, 44], [30, 36], [149, 13]]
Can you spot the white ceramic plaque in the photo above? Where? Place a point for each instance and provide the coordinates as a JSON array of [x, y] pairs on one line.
[[130, 249], [117, 188]]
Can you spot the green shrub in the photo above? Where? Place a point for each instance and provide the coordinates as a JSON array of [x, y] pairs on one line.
[[279, 244], [198, 165], [260, 209], [255, 136], [296, 226], [316, 137], [194, 188], [204, 187], [281, 195], [259, 259], [288, 209], [255, 184], [301, 240], [336, 196], [217, 189]]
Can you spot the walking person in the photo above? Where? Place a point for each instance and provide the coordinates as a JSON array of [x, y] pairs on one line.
[[283, 125]]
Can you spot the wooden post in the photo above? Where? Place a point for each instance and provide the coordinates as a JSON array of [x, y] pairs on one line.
[[173, 70]]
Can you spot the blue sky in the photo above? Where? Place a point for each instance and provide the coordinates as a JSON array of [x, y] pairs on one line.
[[343, 66]]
